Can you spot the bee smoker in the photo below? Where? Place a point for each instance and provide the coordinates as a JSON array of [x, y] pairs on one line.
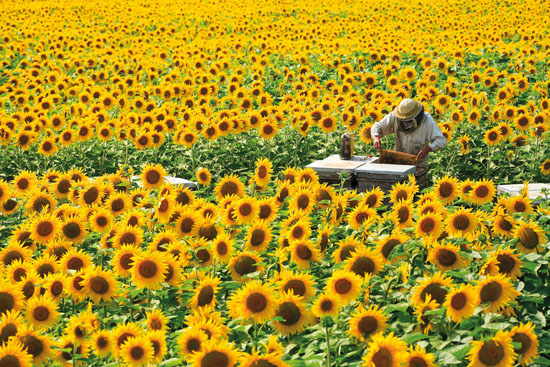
[[346, 146]]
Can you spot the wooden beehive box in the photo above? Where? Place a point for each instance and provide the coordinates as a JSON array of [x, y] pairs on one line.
[[330, 169]]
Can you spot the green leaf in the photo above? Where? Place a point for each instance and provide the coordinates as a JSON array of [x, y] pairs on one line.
[[412, 338], [172, 362]]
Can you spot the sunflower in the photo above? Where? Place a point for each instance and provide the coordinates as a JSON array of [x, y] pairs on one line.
[[191, 340], [36, 344], [14, 353], [435, 287], [121, 333], [519, 204], [464, 142], [73, 229], [295, 317], [528, 342], [506, 262], [363, 262], [257, 359], [345, 248], [204, 177], [215, 353], [137, 351], [205, 293], [303, 253], [496, 292], [495, 352], [75, 259], [55, 285], [361, 217], [9, 206], [424, 319], [254, 301], [429, 225], [385, 245], [326, 305], [345, 285], [482, 192], [530, 236], [243, 264], [223, 247], [263, 171], [303, 201], [446, 189], [364, 323], [229, 185], [148, 270], [152, 176], [102, 342], [14, 251], [100, 285], [417, 357], [17, 270], [39, 202], [44, 228], [5, 191], [402, 192], [11, 324], [461, 302], [300, 284], [101, 220], [461, 222], [258, 236], [67, 348], [24, 182], [385, 351], [246, 210], [402, 214], [373, 198], [90, 194], [545, 167], [123, 259], [445, 256], [41, 311]]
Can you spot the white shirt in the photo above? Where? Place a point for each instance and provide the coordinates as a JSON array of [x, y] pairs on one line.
[[427, 133]]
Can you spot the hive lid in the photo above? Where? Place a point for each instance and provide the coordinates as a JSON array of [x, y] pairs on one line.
[[334, 164], [176, 181], [400, 170], [534, 190]]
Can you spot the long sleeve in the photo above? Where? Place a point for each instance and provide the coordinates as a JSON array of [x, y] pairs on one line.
[[438, 139], [383, 127]]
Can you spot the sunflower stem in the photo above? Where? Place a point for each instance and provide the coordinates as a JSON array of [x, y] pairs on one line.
[[148, 297], [327, 339], [390, 283]]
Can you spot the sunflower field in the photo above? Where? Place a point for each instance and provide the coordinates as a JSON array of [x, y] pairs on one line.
[[105, 263]]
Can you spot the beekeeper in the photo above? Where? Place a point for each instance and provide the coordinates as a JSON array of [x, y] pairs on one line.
[[415, 133]]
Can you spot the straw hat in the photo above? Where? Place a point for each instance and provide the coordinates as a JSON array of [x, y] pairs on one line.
[[407, 109]]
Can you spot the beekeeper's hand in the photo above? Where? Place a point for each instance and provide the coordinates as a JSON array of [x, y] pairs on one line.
[[376, 142]]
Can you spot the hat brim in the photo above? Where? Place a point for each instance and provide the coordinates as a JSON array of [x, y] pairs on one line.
[[413, 113]]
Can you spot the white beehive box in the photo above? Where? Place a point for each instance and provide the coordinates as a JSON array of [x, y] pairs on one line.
[[330, 169], [382, 175], [534, 191], [176, 181]]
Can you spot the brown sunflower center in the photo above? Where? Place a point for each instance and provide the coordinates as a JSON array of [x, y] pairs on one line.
[[152, 177], [297, 232], [8, 331], [11, 257], [245, 265], [101, 221], [290, 313], [215, 359], [44, 229], [45, 269], [401, 195], [482, 191], [388, 247], [40, 203], [262, 172], [327, 305], [363, 265], [221, 248], [148, 269], [117, 205], [10, 361], [303, 252], [446, 257], [303, 201], [346, 251], [229, 188], [75, 263], [91, 195], [436, 291], [403, 214], [519, 207], [23, 183], [529, 238], [41, 313], [367, 325], [256, 302], [382, 358], [56, 288], [137, 353], [6, 302], [296, 286], [102, 342], [525, 342], [71, 230], [461, 222], [490, 292], [505, 264], [203, 255], [342, 286], [187, 225], [361, 217], [458, 301], [491, 353], [262, 363], [122, 339], [257, 237], [417, 362], [445, 189], [99, 285], [206, 295], [126, 261], [371, 201], [193, 345]]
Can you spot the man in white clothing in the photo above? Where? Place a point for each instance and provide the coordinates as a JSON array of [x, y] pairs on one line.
[[415, 133]]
